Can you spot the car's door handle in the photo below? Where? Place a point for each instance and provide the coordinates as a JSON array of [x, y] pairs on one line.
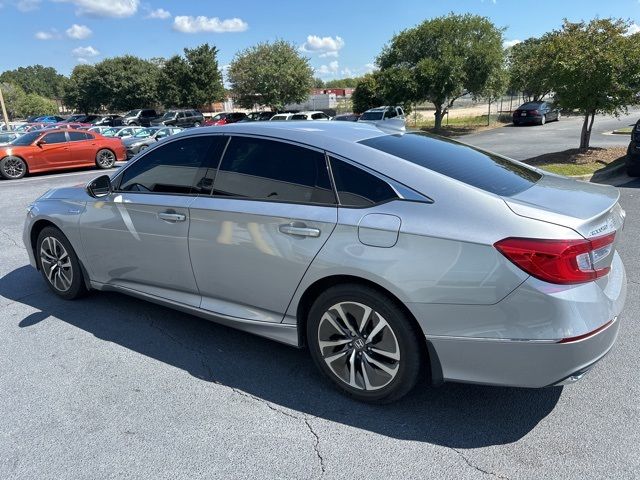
[[172, 217], [299, 230]]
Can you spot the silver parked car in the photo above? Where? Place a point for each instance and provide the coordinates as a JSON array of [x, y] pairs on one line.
[[147, 137], [391, 256]]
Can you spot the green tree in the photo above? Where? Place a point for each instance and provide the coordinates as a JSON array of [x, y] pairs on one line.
[[172, 82], [204, 79], [447, 57], [271, 74], [366, 94], [13, 99], [318, 83], [596, 69], [127, 82], [349, 82], [84, 91], [530, 67], [44, 81], [34, 104]]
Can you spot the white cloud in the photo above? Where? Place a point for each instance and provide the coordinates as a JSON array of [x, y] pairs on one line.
[[28, 5], [84, 52], [104, 8], [510, 43], [633, 28], [325, 46], [159, 14], [50, 35], [189, 24], [82, 60], [330, 69], [78, 32]]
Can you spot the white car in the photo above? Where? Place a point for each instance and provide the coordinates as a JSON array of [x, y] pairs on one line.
[[314, 115], [99, 130], [281, 116], [122, 132], [378, 114]]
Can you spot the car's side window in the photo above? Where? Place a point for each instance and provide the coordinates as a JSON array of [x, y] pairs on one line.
[[178, 167], [260, 169], [357, 188], [79, 136], [57, 137], [317, 116]]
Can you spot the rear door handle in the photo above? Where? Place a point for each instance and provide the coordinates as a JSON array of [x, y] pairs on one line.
[[299, 230], [172, 217]]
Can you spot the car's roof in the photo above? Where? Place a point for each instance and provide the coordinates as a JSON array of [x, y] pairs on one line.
[[320, 133]]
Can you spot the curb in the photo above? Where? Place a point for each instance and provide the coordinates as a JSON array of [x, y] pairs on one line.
[[600, 175]]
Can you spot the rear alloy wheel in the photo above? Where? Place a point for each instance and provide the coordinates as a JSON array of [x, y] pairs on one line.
[[105, 159], [143, 148], [364, 343], [543, 120], [197, 124], [13, 168], [558, 117], [59, 264]]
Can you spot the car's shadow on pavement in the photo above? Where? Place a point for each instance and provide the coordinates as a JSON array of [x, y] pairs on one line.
[[453, 415]]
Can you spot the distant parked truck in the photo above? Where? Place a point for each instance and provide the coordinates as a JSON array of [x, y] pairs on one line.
[[140, 117], [315, 102]]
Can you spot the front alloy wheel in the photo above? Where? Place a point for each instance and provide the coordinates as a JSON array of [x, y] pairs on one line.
[[59, 264], [13, 168], [105, 159]]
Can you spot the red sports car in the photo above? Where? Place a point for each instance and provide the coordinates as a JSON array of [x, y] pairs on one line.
[[47, 150]]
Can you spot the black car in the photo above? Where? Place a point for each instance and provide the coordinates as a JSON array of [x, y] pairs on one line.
[[346, 117], [80, 118], [108, 121], [633, 152], [535, 112], [180, 118], [258, 117], [140, 117]]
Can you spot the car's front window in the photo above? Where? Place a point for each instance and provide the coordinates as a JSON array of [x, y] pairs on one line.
[[145, 133], [132, 113]]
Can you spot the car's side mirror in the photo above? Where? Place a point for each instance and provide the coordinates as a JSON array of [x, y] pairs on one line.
[[41, 142], [100, 187]]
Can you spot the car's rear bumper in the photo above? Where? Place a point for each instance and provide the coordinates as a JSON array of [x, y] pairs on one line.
[[521, 363]]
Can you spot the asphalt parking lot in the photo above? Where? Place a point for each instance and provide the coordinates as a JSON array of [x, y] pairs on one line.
[[114, 387]]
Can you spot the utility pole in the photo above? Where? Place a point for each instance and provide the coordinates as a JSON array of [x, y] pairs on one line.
[[4, 111]]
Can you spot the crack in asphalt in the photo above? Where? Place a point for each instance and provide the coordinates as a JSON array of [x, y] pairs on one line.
[[12, 240], [269, 405], [476, 467]]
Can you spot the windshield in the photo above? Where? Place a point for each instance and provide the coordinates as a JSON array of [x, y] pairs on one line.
[[132, 113], [219, 116], [371, 116], [487, 171], [26, 139], [147, 132], [168, 115], [110, 132], [279, 117], [6, 137]]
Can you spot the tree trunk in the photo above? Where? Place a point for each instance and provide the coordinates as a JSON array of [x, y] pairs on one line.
[[439, 113], [585, 134]]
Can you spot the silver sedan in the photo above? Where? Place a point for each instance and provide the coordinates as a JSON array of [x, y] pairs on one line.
[[391, 256]]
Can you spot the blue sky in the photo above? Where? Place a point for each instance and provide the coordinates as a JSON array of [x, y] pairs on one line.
[[341, 38]]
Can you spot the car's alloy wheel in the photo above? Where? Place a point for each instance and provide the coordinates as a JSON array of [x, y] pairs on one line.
[[543, 120], [56, 264], [364, 342], [12, 168], [197, 124], [59, 264], [105, 159], [359, 346]]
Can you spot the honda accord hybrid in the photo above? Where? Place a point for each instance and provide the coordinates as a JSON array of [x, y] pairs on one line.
[[390, 256]]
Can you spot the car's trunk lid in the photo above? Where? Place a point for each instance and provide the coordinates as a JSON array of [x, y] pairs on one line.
[[590, 209]]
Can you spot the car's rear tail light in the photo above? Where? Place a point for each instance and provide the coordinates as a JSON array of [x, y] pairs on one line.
[[535, 112], [559, 261]]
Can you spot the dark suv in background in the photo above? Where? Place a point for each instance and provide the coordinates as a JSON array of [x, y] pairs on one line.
[[180, 118], [633, 152], [141, 116]]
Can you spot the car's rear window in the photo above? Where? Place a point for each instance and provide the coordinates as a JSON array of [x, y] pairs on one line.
[[529, 105], [483, 170], [371, 116]]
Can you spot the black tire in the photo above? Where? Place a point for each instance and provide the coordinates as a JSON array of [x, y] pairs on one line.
[[633, 170], [12, 167], [105, 159], [398, 327], [76, 287]]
